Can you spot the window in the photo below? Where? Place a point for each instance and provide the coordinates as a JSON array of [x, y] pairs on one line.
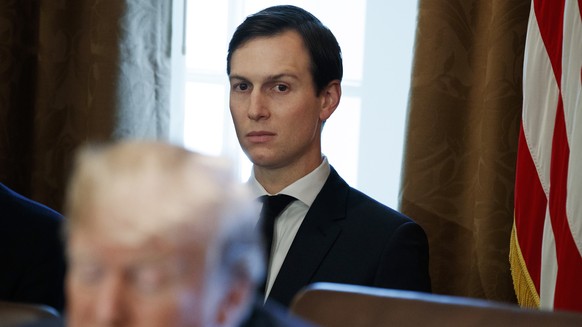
[[364, 137]]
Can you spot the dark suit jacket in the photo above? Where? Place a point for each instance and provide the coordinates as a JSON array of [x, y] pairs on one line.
[[31, 252], [348, 237]]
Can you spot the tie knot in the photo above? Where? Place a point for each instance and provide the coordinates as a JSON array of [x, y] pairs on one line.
[[273, 205]]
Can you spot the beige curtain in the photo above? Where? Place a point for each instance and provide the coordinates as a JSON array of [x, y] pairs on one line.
[[76, 71], [461, 140]]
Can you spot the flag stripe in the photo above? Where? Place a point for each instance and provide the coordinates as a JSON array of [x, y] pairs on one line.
[[534, 152], [568, 258], [549, 269], [568, 284], [572, 97], [550, 16], [540, 102], [530, 207]]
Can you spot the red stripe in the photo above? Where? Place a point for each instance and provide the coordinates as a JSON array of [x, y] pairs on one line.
[[530, 210], [568, 283], [550, 18]]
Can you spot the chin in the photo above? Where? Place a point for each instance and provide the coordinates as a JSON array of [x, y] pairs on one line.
[[259, 158], [260, 162]]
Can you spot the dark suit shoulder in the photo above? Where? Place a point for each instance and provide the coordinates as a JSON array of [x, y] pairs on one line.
[[357, 207], [33, 251], [19, 211], [361, 204], [362, 219]]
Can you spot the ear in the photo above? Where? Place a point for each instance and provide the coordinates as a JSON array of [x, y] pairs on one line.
[[234, 305], [330, 98]]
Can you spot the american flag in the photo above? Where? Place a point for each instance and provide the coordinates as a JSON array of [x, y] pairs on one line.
[[546, 241]]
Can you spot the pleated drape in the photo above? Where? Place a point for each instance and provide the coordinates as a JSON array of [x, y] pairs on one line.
[[461, 140], [77, 71]]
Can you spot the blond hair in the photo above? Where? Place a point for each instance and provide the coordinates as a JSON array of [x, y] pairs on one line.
[[154, 190]]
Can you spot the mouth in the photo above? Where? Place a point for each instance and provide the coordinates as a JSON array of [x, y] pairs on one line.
[[260, 136]]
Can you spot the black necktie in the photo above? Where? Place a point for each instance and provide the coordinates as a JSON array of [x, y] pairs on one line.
[[273, 205]]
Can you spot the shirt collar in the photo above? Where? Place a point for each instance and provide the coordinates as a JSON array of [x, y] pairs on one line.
[[304, 189]]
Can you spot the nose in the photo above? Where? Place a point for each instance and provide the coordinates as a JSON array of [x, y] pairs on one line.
[[110, 304], [257, 107]]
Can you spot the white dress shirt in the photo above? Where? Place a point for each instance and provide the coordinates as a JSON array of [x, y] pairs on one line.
[[305, 190]]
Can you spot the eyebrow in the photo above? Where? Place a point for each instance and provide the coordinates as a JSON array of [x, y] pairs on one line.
[[238, 77], [269, 78]]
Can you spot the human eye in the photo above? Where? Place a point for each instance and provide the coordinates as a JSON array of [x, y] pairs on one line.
[[281, 88], [150, 279], [240, 86], [87, 272]]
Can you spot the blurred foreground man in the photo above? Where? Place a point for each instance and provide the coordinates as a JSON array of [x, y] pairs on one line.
[[160, 236]]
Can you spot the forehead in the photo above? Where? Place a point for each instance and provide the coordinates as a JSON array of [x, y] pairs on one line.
[[140, 225], [271, 54], [87, 244]]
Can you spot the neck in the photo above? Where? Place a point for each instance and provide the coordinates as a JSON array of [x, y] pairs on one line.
[[274, 180]]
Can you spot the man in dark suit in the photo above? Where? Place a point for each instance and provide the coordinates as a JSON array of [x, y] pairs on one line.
[[32, 253], [285, 71]]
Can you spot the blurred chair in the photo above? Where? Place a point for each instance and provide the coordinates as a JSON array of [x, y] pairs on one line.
[[17, 313], [339, 305]]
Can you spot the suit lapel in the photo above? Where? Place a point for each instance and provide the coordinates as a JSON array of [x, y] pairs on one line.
[[314, 238]]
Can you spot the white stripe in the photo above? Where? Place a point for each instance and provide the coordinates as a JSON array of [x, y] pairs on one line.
[[549, 268], [572, 99], [540, 101]]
